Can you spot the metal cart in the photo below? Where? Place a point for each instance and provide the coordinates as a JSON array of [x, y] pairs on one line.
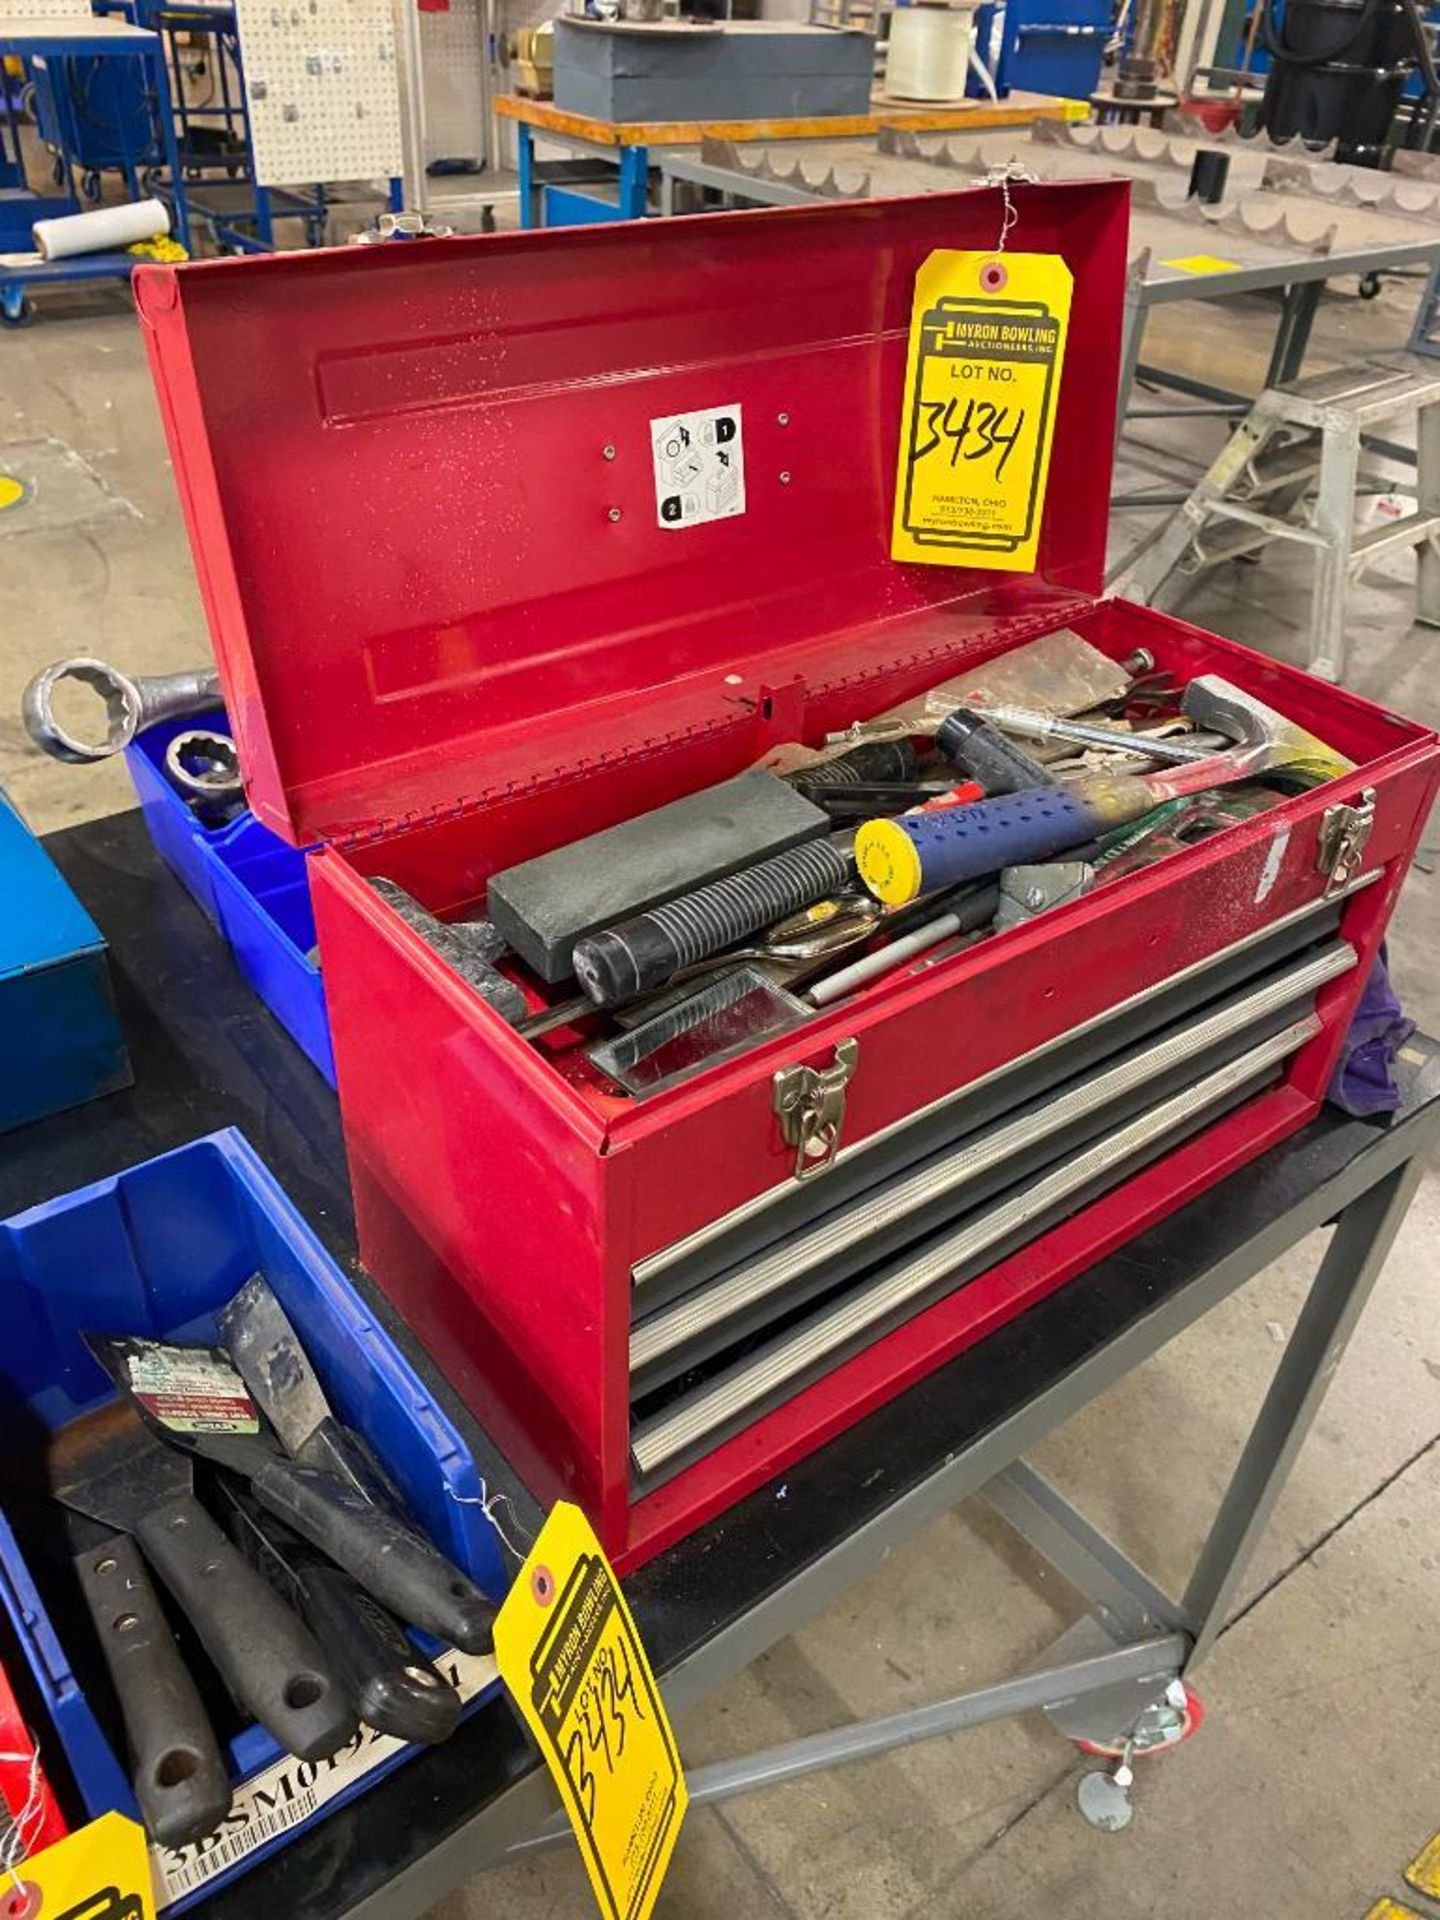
[[712, 1604], [51, 47], [213, 134]]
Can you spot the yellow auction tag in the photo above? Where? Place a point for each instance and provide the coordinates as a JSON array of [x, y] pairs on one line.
[[987, 342], [100, 1873], [569, 1653]]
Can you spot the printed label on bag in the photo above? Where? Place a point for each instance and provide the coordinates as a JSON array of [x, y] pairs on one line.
[[699, 466], [190, 1390], [289, 1792], [572, 1660], [987, 344]]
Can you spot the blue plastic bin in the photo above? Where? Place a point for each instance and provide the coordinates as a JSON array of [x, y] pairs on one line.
[[158, 1250], [60, 1040], [251, 885]]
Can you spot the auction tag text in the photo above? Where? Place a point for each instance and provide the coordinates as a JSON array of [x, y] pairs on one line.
[[569, 1653], [987, 344]]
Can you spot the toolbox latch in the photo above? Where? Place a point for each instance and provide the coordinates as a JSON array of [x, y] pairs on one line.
[[810, 1105], [1344, 832]]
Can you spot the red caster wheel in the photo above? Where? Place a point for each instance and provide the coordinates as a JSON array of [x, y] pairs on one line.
[[1160, 1728]]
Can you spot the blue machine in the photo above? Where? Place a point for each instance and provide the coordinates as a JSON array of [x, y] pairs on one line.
[[60, 1040], [193, 144], [1259, 62], [1045, 46]]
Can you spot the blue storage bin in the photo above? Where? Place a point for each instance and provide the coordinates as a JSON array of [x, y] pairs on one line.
[[159, 1250], [86, 1748], [60, 1040], [251, 885]]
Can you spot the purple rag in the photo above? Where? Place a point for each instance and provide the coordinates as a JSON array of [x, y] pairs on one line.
[[1364, 1081]]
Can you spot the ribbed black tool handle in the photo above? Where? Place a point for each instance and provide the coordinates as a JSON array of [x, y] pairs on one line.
[[177, 1769], [884, 762], [388, 1558], [625, 961], [394, 1687]]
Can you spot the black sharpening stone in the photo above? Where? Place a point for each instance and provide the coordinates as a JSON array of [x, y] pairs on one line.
[[545, 905]]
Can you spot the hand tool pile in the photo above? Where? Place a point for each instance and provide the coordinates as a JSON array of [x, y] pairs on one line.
[[700, 928], [282, 1548]]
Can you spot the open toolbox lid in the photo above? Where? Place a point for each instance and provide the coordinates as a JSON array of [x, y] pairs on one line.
[[422, 498]]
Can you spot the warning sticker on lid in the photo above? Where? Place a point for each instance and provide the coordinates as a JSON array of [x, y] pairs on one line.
[[699, 466], [192, 1390]]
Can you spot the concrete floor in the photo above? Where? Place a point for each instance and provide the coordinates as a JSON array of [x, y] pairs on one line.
[[1314, 1781]]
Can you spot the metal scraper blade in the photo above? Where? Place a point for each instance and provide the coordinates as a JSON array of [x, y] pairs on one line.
[[274, 1366], [276, 1369], [108, 1466]]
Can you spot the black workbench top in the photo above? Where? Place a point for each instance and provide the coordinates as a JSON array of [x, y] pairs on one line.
[[207, 1054]]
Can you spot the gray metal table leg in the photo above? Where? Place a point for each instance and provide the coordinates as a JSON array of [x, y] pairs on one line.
[[1363, 1237], [1152, 1664], [1427, 487], [1132, 337], [1292, 336], [1123, 1599], [1334, 522]]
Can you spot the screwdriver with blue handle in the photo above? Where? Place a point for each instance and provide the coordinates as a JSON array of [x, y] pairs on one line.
[[900, 859]]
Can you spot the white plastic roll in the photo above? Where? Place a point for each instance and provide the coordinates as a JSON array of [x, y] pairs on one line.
[[105, 228], [929, 53]]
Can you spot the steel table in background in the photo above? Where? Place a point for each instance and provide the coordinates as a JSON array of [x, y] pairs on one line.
[[1288, 224], [607, 173], [59, 41], [207, 1054]]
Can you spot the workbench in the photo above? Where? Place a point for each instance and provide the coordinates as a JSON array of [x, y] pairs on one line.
[[206, 1054], [61, 40], [1286, 223], [549, 194]]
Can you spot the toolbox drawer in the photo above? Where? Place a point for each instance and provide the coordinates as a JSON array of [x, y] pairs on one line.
[[525, 651], [744, 1335]]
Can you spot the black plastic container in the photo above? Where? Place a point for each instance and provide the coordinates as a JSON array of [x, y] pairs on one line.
[[1339, 70]]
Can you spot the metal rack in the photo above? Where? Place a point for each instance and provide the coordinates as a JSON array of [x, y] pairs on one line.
[[213, 136], [52, 47]]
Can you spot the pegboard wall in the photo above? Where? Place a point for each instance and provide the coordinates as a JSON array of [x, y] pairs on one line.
[[323, 86], [21, 11], [453, 59]]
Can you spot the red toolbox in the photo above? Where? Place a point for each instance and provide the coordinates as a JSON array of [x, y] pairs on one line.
[[454, 632]]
